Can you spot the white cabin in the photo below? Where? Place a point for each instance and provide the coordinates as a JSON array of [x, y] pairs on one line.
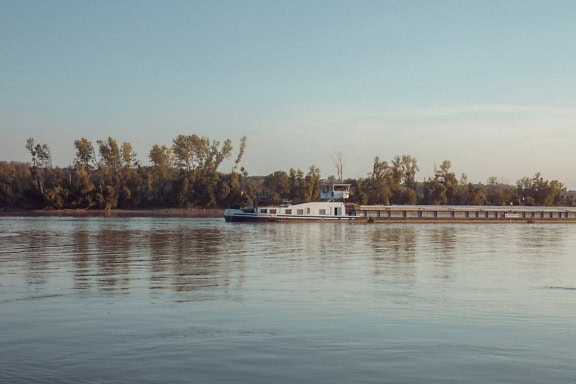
[[334, 191], [313, 209]]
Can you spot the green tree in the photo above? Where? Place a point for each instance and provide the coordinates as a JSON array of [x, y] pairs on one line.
[[161, 158], [240, 153], [83, 187], [538, 191], [41, 168], [377, 186], [297, 184], [312, 184], [7, 185], [85, 154], [198, 159], [233, 190], [199, 153], [401, 180], [109, 168], [277, 185]]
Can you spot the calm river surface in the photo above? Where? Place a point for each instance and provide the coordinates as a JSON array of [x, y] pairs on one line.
[[171, 300]]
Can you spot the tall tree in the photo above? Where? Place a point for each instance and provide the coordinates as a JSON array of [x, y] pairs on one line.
[[277, 185], [240, 153], [444, 176], [85, 154], [199, 153], [83, 187], [377, 185], [198, 158], [338, 160], [297, 187], [312, 184], [109, 173], [41, 155], [41, 166], [161, 158], [538, 191]]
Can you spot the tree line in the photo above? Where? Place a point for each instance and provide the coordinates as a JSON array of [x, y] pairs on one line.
[[187, 173], [109, 176]]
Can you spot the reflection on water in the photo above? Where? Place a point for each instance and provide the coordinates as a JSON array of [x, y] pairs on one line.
[[122, 254], [39, 245], [538, 238], [200, 300], [394, 251], [81, 259], [117, 257]]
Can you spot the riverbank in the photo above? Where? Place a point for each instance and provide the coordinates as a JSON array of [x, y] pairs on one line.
[[164, 212]]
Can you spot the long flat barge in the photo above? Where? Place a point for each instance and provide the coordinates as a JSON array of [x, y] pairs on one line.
[[434, 213]]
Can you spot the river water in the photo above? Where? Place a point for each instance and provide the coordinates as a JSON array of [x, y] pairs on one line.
[[174, 300]]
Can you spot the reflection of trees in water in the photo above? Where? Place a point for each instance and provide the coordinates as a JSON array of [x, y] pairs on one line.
[[304, 247], [159, 258], [540, 239], [195, 258], [36, 256], [180, 259], [81, 257], [190, 258], [394, 251], [118, 254], [442, 242], [442, 238], [114, 258], [541, 246]]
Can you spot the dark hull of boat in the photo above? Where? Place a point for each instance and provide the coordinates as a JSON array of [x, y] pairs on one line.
[[248, 218]]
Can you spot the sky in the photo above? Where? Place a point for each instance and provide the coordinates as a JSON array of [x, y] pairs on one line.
[[488, 85]]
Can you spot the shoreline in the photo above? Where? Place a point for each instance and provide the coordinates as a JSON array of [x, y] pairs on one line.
[[155, 212], [219, 213]]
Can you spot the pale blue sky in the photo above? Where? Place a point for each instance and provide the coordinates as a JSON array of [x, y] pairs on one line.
[[488, 85]]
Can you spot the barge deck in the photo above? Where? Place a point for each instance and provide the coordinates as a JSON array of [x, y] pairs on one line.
[[472, 214]]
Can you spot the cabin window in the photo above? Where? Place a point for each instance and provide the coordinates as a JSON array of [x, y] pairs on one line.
[[264, 210], [273, 211], [307, 211], [300, 212], [322, 211], [288, 211]]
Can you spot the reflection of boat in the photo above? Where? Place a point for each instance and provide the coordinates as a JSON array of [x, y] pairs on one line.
[[327, 210]]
